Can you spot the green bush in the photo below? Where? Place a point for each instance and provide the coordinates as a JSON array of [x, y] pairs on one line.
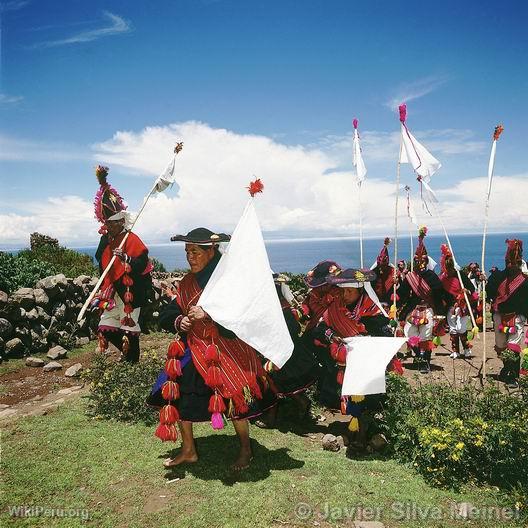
[[455, 435], [118, 390], [17, 271], [67, 261], [158, 266]]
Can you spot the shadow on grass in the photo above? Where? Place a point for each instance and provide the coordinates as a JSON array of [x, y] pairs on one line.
[[218, 452]]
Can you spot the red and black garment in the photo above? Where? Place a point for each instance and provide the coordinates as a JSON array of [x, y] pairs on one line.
[[224, 375], [384, 283]]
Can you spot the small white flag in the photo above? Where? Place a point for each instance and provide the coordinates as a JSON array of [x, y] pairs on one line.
[[167, 177], [366, 362], [241, 294], [359, 165], [413, 152]]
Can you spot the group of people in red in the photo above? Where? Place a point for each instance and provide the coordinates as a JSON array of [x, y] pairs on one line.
[[212, 375]]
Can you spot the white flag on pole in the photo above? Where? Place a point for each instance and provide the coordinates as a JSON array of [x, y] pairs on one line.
[[241, 294], [167, 177], [359, 165], [413, 152], [366, 362]]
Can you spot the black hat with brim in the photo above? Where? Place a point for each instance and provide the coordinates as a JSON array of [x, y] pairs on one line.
[[201, 236], [352, 276], [317, 276]]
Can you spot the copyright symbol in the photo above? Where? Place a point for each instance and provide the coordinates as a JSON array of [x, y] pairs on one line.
[[303, 511]]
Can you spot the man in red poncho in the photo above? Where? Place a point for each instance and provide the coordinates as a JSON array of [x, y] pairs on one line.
[[127, 285], [457, 309]]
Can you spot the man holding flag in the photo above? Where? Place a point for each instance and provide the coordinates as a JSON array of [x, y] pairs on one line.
[[126, 286]]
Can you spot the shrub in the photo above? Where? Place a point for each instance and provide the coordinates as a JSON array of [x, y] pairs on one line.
[[63, 260], [17, 271], [158, 266], [118, 390], [456, 435]]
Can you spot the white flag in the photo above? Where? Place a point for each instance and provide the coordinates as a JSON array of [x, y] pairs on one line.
[[366, 362], [167, 177], [241, 294], [422, 161], [361, 170]]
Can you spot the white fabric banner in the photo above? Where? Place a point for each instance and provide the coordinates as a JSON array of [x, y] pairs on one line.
[[367, 360], [413, 152], [167, 177], [241, 294], [361, 170]]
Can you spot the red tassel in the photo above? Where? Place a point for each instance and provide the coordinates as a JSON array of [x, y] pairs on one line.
[[127, 280], [128, 308], [255, 187], [176, 349], [212, 354], [103, 342], [128, 321], [241, 407], [343, 406], [338, 353], [217, 404], [340, 376], [128, 297], [127, 267], [213, 377], [170, 391], [173, 368], [169, 415], [167, 433]]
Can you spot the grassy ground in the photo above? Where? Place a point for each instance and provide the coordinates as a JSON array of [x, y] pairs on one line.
[[114, 472]]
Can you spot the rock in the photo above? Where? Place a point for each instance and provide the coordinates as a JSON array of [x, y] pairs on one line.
[[14, 347], [4, 406], [12, 311], [6, 329], [81, 280], [57, 352], [41, 297], [81, 341], [464, 510], [2, 348], [378, 442], [52, 365], [330, 443], [34, 362], [65, 391], [44, 317], [53, 285], [3, 299], [74, 371], [6, 413], [59, 311], [36, 240], [24, 297], [32, 315], [342, 440]]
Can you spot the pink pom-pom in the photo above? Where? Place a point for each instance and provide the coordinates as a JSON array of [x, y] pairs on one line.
[[403, 112], [355, 123], [217, 421], [413, 341]]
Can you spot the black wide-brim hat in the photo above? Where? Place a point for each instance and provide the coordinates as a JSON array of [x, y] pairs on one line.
[[317, 276], [201, 236], [352, 276]]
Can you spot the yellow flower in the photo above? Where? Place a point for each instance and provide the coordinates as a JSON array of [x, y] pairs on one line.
[[455, 457], [460, 445]]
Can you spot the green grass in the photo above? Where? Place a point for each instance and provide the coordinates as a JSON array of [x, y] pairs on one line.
[[114, 471]]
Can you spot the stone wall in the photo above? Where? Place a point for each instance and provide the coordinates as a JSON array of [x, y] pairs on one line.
[[34, 320]]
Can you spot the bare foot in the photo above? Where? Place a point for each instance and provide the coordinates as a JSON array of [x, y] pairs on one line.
[[242, 462], [181, 458]]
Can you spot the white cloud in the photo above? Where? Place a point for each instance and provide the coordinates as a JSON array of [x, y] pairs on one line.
[[408, 92], [304, 195], [118, 25], [10, 99]]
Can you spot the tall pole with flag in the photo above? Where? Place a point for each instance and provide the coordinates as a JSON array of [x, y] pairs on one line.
[[162, 182], [425, 165], [412, 222], [361, 172], [491, 166]]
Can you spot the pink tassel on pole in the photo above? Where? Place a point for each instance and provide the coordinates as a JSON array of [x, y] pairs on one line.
[[355, 123], [403, 112]]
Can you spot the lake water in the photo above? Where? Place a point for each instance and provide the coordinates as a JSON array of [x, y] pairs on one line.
[[299, 255]]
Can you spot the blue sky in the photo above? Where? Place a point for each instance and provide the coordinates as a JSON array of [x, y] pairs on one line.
[[74, 73]]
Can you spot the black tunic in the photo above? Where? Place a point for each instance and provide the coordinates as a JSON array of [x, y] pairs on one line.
[[517, 302]]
